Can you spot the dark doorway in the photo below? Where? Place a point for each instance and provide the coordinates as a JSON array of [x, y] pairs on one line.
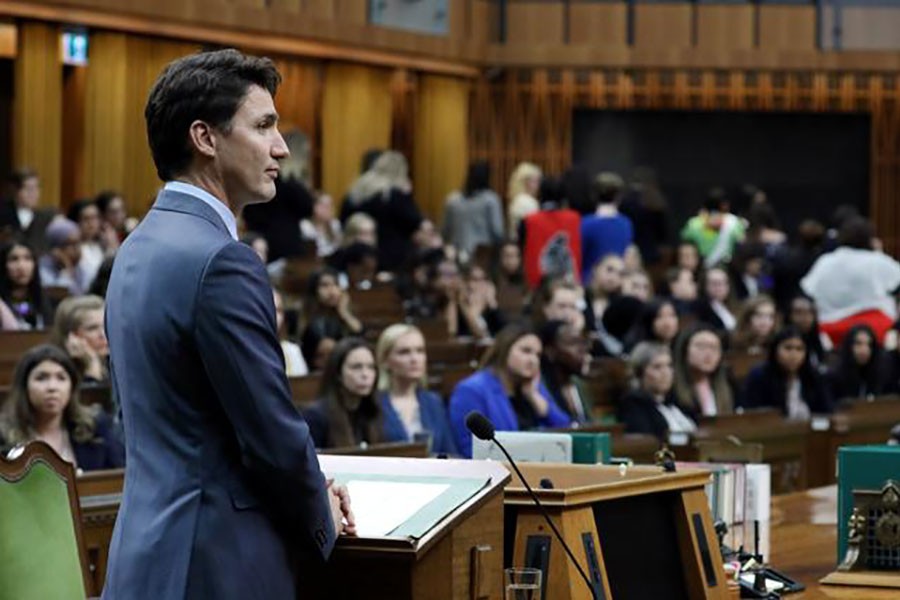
[[807, 163]]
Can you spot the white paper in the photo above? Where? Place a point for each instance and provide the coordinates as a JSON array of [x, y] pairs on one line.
[[759, 492], [380, 507]]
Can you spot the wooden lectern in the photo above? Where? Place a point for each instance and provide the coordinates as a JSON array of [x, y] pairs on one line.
[[641, 534], [459, 558]]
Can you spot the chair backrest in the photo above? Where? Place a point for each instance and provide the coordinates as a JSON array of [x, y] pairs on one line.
[[41, 550]]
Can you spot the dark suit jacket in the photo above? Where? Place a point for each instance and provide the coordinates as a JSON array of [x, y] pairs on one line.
[[34, 235], [767, 389], [637, 411], [105, 451], [397, 218], [222, 479]]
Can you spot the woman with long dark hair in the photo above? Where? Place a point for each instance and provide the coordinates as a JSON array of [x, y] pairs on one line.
[[861, 371], [787, 381], [20, 287], [702, 385], [658, 322], [346, 412], [43, 405]]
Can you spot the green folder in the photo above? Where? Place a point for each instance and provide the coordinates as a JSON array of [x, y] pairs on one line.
[[590, 448], [861, 468]]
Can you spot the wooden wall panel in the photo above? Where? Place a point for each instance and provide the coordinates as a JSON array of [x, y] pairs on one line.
[[353, 11], [598, 23], [537, 23], [116, 154], [8, 40], [37, 107], [299, 101], [441, 154], [662, 26], [870, 28], [356, 116], [72, 184], [723, 28], [787, 27], [484, 21]]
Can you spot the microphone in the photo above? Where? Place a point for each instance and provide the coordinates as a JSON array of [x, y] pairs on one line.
[[482, 428]]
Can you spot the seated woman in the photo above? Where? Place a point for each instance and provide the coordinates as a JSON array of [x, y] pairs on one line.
[[294, 362], [861, 370], [801, 314], [21, 290], [322, 228], [43, 405], [78, 328], [346, 413], [756, 326], [326, 301], [658, 322], [557, 299], [564, 362], [787, 381], [507, 389], [317, 343], [410, 411], [651, 406], [714, 305], [702, 386]]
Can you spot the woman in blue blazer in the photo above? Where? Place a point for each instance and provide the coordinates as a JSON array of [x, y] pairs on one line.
[[507, 389], [410, 411]]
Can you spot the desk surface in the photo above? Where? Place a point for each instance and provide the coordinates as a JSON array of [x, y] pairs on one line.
[[803, 538]]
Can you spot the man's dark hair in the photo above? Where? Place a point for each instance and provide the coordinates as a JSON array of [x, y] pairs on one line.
[[209, 87], [856, 232]]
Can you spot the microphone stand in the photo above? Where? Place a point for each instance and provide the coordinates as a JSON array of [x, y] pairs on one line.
[[549, 521]]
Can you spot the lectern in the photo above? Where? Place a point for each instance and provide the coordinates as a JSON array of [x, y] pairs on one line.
[[459, 558], [637, 532]]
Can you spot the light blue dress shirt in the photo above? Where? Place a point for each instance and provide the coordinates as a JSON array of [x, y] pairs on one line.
[[216, 204]]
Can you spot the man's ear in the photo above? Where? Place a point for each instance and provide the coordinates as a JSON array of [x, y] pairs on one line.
[[203, 138]]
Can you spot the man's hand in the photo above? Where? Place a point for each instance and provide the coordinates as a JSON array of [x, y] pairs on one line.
[[341, 513]]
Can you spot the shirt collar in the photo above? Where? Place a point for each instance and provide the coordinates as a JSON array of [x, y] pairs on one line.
[[216, 204]]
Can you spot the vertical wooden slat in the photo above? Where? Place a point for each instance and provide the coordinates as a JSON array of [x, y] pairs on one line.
[[442, 119], [37, 107], [356, 116]]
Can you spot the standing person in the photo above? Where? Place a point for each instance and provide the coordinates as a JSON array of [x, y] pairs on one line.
[[523, 188], [607, 231], [854, 284], [223, 482], [22, 219], [714, 230], [385, 193], [472, 216]]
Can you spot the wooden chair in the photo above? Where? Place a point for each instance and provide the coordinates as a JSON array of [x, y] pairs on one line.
[[296, 274], [13, 344], [304, 390], [397, 449], [41, 549], [741, 363], [451, 353], [606, 382]]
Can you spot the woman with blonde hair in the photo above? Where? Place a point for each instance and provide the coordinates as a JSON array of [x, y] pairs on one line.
[[410, 411], [384, 192], [78, 329], [522, 192]]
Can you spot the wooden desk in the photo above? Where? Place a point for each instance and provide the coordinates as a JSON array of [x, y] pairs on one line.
[[784, 443], [803, 541]]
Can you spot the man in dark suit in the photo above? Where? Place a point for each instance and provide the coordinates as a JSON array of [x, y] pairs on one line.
[[222, 484], [20, 217]]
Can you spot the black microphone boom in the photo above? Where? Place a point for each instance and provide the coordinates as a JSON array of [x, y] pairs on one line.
[[482, 428]]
